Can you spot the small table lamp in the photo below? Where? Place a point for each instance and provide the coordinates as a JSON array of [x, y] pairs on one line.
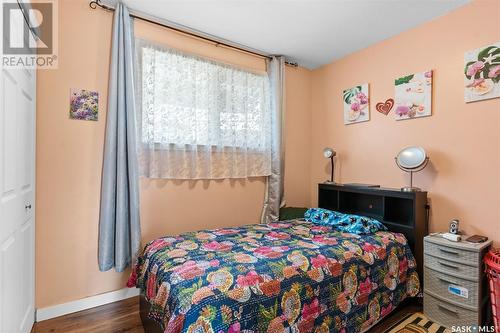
[[330, 153]]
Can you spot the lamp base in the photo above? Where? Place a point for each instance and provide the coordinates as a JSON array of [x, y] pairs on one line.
[[411, 189], [329, 182]]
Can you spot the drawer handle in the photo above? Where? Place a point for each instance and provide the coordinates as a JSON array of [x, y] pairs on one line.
[[455, 312], [447, 281], [447, 265], [449, 251]]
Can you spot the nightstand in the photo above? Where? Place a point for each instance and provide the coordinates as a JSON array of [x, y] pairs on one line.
[[455, 288]]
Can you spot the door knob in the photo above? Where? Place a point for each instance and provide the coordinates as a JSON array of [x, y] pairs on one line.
[[27, 207]]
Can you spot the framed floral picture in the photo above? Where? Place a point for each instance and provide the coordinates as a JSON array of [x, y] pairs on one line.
[[356, 104], [413, 96], [84, 104], [482, 73]]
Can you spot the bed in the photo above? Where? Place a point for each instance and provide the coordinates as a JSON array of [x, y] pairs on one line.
[[290, 276]]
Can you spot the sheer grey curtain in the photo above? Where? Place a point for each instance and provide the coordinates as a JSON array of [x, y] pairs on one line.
[[119, 228], [274, 197]]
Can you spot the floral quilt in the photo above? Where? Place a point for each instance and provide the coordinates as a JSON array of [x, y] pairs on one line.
[[291, 276]]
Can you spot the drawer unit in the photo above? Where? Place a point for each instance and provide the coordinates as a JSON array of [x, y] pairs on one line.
[[452, 253], [448, 314], [451, 267], [439, 284], [454, 285]]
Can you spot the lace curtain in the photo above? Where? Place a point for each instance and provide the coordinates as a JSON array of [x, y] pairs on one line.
[[200, 119]]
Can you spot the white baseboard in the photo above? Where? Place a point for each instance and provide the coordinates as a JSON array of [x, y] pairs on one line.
[[85, 303]]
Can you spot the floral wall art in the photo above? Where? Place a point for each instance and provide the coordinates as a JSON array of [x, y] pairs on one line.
[[482, 73], [413, 96], [84, 104], [356, 104]]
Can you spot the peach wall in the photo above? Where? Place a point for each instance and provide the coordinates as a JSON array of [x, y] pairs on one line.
[[463, 140], [69, 160]]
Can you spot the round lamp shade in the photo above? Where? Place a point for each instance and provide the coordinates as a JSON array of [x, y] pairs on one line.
[[329, 152], [411, 158]]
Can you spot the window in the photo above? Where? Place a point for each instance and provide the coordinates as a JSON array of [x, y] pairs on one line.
[[198, 114]]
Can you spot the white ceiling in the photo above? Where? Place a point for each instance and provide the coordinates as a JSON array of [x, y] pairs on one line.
[[311, 32]]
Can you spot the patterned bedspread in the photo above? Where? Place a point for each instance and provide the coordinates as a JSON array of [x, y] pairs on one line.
[[291, 276]]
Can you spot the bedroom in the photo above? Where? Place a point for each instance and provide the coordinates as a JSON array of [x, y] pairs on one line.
[[337, 46]]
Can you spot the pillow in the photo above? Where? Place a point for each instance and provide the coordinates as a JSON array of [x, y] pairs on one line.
[[290, 213], [354, 224]]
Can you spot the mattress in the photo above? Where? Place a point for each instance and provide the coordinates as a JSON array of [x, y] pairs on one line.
[[291, 276]]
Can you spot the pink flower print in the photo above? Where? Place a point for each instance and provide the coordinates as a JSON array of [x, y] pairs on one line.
[[274, 255], [278, 235], [225, 231], [250, 279], [234, 328], [151, 284], [367, 247], [281, 248], [268, 252], [474, 68], [189, 270], [157, 244], [403, 266], [305, 325], [355, 106], [402, 110], [428, 74], [362, 98], [365, 287], [311, 311], [319, 261], [320, 229], [387, 239], [384, 311], [494, 72], [216, 246], [132, 280], [324, 240], [213, 245], [262, 250], [176, 323], [279, 225]]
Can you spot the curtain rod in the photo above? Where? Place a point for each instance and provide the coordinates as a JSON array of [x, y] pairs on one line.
[[97, 3]]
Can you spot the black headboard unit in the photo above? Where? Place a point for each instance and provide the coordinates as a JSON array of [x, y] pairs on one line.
[[403, 212]]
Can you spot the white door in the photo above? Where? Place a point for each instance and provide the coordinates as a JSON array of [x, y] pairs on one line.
[[17, 204]]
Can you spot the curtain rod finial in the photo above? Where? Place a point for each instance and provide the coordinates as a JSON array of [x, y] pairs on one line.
[[93, 4]]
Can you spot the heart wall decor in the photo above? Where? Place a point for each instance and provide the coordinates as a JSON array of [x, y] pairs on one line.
[[386, 107]]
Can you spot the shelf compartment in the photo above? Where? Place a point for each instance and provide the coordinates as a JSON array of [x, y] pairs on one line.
[[398, 210], [362, 204], [328, 199]]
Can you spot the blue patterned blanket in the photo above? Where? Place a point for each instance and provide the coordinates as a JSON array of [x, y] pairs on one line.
[[291, 276]]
